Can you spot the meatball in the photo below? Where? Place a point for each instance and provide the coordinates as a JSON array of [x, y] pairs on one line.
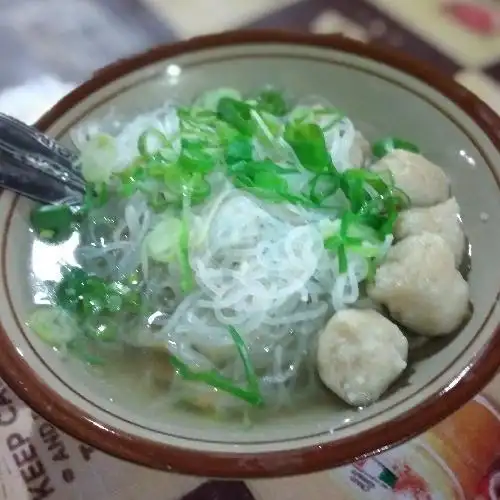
[[442, 219], [420, 286], [360, 353], [360, 153], [425, 183]]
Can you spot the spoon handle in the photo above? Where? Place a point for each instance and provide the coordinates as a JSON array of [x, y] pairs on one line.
[[32, 183], [31, 139], [35, 165]]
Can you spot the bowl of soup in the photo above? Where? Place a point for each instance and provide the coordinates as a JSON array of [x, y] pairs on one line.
[[284, 259]]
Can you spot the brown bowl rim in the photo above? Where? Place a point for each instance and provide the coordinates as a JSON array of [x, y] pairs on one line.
[[67, 417]]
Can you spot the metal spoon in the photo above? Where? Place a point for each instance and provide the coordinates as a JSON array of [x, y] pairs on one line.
[[35, 165]]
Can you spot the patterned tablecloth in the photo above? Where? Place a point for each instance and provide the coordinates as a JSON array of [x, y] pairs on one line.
[[459, 458]]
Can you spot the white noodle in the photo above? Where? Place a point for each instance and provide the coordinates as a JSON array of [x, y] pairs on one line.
[[258, 266], [340, 140]]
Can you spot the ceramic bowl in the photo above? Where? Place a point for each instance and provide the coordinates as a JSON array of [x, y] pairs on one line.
[[385, 93]]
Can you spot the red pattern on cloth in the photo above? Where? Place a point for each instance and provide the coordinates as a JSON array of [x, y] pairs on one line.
[[480, 18]]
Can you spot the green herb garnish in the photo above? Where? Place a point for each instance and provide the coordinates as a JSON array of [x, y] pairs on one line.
[[53, 223], [387, 145], [251, 394]]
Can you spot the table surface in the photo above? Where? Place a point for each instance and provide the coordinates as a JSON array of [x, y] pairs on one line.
[[47, 47], [69, 39]]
